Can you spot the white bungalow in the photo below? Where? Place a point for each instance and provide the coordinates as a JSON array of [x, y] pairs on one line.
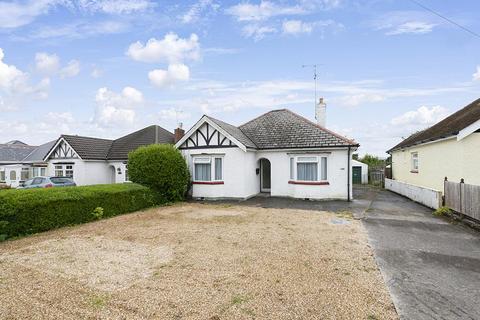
[[279, 153]]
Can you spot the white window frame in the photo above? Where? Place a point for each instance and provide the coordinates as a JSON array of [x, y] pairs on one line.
[[4, 174], [306, 158], [210, 159], [414, 163], [63, 168]]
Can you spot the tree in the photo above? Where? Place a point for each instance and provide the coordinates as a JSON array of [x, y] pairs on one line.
[[161, 168], [373, 162]]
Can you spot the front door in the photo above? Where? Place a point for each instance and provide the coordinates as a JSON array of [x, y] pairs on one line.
[[264, 175], [357, 175]]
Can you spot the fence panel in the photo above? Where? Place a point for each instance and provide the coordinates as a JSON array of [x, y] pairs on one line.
[[453, 196], [463, 198], [471, 200]]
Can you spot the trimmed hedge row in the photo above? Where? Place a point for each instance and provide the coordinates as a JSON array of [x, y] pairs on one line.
[[35, 210]]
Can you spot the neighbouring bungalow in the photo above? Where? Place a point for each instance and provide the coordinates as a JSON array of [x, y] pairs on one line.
[[20, 162], [85, 159], [450, 148], [279, 153]]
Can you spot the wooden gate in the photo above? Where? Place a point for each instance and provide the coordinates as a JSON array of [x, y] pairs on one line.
[[463, 198]]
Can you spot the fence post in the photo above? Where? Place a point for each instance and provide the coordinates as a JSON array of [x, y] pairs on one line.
[[444, 191], [462, 181]]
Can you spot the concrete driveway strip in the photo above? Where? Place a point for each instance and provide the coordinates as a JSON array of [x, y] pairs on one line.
[[432, 267]]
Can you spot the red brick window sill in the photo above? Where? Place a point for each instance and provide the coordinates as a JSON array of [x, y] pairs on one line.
[[310, 183], [208, 182]]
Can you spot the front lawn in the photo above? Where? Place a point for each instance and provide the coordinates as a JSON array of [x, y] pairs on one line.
[[194, 261]]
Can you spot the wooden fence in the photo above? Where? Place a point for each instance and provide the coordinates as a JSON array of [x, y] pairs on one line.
[[377, 178], [463, 198]]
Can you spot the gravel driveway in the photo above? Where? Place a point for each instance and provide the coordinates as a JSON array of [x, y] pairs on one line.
[[196, 261]]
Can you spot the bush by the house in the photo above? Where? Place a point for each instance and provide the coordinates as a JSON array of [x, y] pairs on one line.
[[35, 210], [161, 168]]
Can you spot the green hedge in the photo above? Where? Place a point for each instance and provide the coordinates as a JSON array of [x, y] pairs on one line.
[[35, 210]]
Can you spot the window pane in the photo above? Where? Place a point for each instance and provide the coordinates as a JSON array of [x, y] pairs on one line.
[[25, 174], [126, 175], [2, 175], [13, 175], [203, 172], [218, 169], [324, 168], [201, 160], [43, 171], [292, 168], [307, 159], [307, 171]]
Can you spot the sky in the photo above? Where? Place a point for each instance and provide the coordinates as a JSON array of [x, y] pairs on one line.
[[105, 68]]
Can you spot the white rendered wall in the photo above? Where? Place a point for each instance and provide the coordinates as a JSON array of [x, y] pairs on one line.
[[426, 196], [238, 174], [336, 174], [241, 180], [85, 172]]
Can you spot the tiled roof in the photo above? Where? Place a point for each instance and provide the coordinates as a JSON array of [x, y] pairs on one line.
[[40, 152], [149, 135], [89, 148], [10, 153], [234, 132], [103, 149], [448, 127], [281, 129]]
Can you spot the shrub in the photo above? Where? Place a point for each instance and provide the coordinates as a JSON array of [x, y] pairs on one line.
[[443, 211], [35, 210], [161, 168], [97, 213]]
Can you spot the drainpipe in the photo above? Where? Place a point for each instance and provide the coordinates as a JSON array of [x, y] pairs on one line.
[[348, 175]]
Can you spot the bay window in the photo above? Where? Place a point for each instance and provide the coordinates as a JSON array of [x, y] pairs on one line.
[[308, 169], [207, 169]]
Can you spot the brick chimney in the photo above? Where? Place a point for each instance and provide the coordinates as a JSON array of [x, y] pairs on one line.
[[321, 113], [179, 133]]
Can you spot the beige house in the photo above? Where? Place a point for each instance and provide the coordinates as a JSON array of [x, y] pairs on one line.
[[450, 148]]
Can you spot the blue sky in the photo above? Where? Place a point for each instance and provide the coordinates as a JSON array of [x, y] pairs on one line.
[[106, 68]]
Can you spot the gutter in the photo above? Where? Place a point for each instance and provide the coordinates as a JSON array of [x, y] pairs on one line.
[[348, 176]]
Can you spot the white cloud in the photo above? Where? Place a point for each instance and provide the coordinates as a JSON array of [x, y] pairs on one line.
[[421, 118], [170, 49], [476, 75], [257, 32], [115, 6], [17, 14], [71, 69], [246, 11], [56, 123], [195, 12], [47, 64], [163, 78], [117, 109], [11, 78], [415, 27], [295, 27], [96, 73], [77, 30], [406, 22], [173, 114], [360, 98]]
